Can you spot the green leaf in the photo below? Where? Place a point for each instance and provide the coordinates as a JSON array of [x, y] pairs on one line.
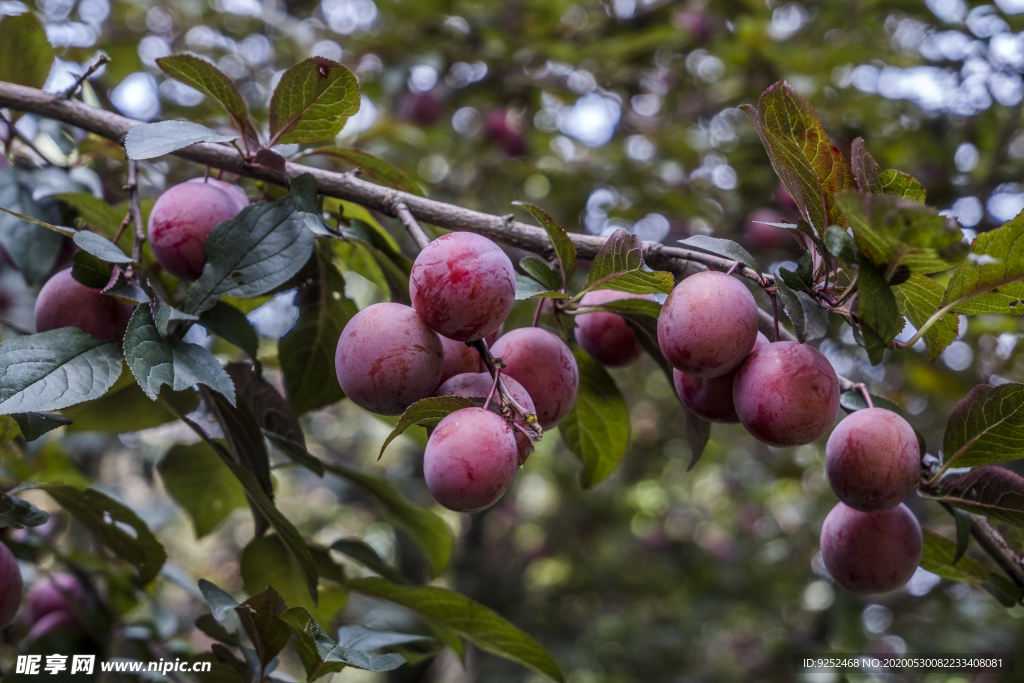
[[151, 140], [540, 271], [200, 74], [55, 369], [320, 655], [307, 351], [166, 315], [810, 320], [104, 217], [937, 557], [698, 432], [840, 244], [259, 249], [1004, 590], [428, 530], [986, 427], [618, 266], [90, 271], [364, 639], [220, 602], [18, 513], [211, 627], [32, 248], [902, 185], [34, 425], [25, 53], [156, 361], [271, 411], [200, 483], [100, 247], [304, 195], [375, 169], [528, 288], [124, 291], [59, 229], [865, 170], [426, 412], [853, 400], [260, 618], [722, 247], [365, 555], [484, 627], [879, 317], [991, 279], [312, 101], [266, 562], [596, 430], [810, 166], [963, 532], [989, 490], [125, 408], [229, 323], [106, 518], [565, 250], [919, 298]]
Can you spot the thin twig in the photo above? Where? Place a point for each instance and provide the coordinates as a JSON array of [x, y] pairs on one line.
[[866, 394], [775, 312], [124, 224], [402, 213], [70, 92], [135, 208], [13, 132]]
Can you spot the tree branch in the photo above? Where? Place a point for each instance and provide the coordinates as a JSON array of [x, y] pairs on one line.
[[994, 544]]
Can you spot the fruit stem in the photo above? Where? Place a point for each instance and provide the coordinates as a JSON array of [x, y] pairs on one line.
[[494, 366], [775, 312], [70, 92], [866, 394], [732, 268], [494, 386], [536, 313]]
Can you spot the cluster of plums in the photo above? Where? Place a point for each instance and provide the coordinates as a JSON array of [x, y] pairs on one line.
[[55, 602]]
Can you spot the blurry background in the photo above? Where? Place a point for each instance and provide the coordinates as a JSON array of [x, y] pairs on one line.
[[607, 114]]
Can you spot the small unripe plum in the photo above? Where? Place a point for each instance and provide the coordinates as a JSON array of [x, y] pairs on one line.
[[54, 594], [11, 586], [763, 236], [546, 368], [873, 460], [871, 552], [459, 358], [708, 324], [606, 336], [183, 218], [711, 397], [388, 359], [478, 385], [786, 394], [470, 460], [463, 286], [64, 302]]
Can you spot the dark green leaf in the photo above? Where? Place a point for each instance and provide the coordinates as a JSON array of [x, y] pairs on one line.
[[698, 432], [259, 249], [877, 312], [565, 250], [853, 400], [963, 532], [167, 314], [199, 482], [426, 412], [484, 627], [151, 140], [200, 74], [260, 618], [25, 53], [156, 361], [125, 408], [34, 425], [230, 324], [618, 265], [722, 247], [94, 211], [220, 602], [366, 640], [296, 452], [988, 490], [365, 555], [271, 410], [312, 101], [986, 427], [105, 518], [100, 247], [55, 369], [304, 195], [810, 320], [124, 291], [937, 557], [90, 271], [211, 627], [1003, 589], [528, 288], [540, 271], [596, 430], [840, 244], [991, 279], [919, 298], [32, 247], [307, 351], [320, 655], [377, 170], [18, 513]]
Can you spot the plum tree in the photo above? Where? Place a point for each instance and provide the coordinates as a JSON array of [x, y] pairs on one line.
[[711, 397], [786, 394], [871, 552], [54, 594], [708, 324], [65, 302], [11, 587], [387, 358], [606, 336], [183, 218], [546, 368], [463, 286], [470, 460], [873, 460], [478, 385]]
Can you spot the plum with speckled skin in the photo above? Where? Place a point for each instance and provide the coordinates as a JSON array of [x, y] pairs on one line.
[[64, 302], [470, 460], [10, 587], [711, 397], [873, 460], [183, 218], [463, 286], [387, 359], [708, 324], [786, 394], [546, 368], [606, 336], [871, 552], [478, 385]]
